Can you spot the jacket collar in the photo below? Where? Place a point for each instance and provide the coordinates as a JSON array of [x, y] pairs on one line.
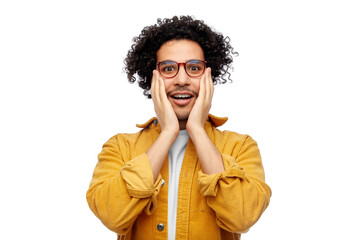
[[213, 120]]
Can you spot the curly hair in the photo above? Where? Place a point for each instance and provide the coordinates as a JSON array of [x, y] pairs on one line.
[[141, 58]]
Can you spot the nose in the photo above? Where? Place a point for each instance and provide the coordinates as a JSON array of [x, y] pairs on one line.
[[182, 78]]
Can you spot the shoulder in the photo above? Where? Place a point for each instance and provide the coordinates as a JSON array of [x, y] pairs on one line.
[[133, 144], [231, 135], [233, 141], [127, 137], [120, 140]]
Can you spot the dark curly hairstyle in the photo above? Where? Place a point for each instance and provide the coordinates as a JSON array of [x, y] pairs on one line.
[[141, 58]]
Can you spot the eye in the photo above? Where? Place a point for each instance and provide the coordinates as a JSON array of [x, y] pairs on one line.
[[167, 69], [195, 67]]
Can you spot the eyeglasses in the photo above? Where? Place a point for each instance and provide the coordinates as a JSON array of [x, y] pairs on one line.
[[193, 68]]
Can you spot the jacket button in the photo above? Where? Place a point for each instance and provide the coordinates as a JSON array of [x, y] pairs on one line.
[[162, 182], [160, 227]]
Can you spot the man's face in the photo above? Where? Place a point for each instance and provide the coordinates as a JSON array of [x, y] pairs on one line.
[[181, 90]]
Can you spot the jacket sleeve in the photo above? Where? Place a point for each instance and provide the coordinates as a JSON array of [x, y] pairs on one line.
[[239, 195], [121, 188]]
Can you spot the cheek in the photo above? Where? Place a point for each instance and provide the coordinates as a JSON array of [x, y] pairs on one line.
[[167, 86], [197, 85]]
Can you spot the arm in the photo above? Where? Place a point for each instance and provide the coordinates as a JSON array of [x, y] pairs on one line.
[[239, 195], [232, 179], [168, 121], [121, 188], [210, 158]]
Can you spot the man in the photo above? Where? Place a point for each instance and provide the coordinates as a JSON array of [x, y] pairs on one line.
[[179, 177]]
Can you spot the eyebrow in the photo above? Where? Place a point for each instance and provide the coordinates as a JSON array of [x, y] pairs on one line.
[[192, 59]]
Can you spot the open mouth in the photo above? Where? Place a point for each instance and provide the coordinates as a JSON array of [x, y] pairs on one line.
[[181, 99], [181, 96]]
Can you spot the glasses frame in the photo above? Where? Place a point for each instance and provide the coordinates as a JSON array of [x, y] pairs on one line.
[[178, 67]]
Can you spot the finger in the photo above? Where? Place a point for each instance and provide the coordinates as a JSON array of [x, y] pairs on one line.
[[211, 84], [202, 90], [158, 85], [156, 88], [209, 89], [152, 86], [162, 92], [207, 84]]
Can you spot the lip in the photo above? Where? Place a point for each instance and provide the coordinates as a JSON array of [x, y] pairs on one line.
[[181, 102]]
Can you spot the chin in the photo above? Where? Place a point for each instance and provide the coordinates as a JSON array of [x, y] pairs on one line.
[[182, 116]]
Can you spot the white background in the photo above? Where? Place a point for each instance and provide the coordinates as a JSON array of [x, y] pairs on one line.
[[63, 94]]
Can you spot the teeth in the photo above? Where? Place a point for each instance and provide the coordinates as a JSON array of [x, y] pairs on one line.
[[181, 96]]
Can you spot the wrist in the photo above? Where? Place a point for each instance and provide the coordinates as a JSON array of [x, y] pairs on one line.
[[170, 134], [195, 127], [196, 132]]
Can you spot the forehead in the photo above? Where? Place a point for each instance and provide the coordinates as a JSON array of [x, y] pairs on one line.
[[180, 51]]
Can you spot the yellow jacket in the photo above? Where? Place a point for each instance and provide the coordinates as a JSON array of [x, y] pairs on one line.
[[124, 197]]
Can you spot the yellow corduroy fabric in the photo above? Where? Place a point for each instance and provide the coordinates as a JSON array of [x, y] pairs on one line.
[[124, 197]]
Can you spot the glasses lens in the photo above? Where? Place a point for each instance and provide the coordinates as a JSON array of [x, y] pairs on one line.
[[168, 69], [195, 68]]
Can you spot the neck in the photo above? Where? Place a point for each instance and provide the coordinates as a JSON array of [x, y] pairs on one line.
[[182, 124]]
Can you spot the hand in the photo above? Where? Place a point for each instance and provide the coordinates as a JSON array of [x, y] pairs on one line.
[[209, 156], [201, 108], [169, 124], [163, 109]]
